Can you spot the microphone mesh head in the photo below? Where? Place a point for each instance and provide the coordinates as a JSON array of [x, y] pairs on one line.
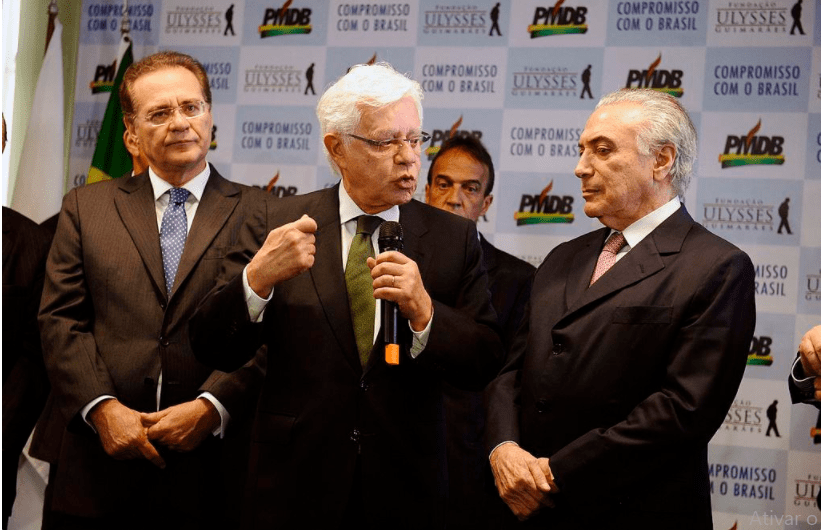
[[390, 236], [391, 229]]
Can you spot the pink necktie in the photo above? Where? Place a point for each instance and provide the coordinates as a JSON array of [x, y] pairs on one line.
[[607, 257]]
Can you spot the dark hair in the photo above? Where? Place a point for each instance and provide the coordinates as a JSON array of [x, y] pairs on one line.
[[472, 147], [160, 61]]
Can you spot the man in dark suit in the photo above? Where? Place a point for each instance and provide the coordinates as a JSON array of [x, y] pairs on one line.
[[631, 350], [342, 438], [460, 180], [25, 384], [134, 426]]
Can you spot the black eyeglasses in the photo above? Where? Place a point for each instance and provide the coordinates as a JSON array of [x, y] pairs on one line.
[[414, 142]]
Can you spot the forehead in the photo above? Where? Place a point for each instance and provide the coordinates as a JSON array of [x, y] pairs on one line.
[[164, 86], [398, 117], [459, 166], [619, 121]]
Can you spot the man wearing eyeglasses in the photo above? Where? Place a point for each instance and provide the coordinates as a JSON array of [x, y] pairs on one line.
[[342, 438], [134, 426]]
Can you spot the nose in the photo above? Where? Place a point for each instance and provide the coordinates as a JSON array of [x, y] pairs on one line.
[[178, 120], [406, 155], [454, 198], [583, 168]]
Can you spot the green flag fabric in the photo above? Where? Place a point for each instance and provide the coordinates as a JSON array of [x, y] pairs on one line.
[[111, 158]]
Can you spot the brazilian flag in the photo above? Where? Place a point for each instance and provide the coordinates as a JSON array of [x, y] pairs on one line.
[[111, 159]]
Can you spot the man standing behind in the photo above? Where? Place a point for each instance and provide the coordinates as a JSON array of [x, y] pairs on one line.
[[619, 378], [342, 438], [129, 426], [460, 180]]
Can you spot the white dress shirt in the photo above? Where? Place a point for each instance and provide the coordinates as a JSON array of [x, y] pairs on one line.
[[349, 211]]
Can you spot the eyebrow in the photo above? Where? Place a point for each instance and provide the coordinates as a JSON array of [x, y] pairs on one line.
[[595, 139], [393, 133], [443, 176], [169, 106]]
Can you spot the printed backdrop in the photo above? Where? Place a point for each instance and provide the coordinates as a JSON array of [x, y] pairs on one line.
[[524, 75]]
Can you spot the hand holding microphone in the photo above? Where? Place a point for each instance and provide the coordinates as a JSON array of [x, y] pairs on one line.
[[398, 283], [390, 239]]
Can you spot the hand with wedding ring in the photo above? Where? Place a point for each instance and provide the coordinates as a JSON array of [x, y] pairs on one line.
[[397, 279]]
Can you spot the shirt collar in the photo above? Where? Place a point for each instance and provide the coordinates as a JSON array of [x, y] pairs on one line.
[[195, 186], [638, 230], [349, 209]]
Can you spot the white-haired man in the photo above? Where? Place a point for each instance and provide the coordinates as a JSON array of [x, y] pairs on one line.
[[633, 345], [343, 439]]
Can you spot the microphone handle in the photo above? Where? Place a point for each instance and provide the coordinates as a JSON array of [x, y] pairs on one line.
[[390, 321]]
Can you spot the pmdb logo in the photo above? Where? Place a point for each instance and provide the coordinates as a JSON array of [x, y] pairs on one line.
[[558, 20], [103, 78], [545, 208], [752, 149], [760, 354], [439, 137], [655, 78], [285, 21], [278, 191]]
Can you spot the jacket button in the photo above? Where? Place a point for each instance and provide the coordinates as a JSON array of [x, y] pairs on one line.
[[363, 386], [164, 342], [355, 436], [557, 349], [543, 405]]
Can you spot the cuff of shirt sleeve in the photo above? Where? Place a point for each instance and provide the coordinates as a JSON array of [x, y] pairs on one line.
[[84, 412], [499, 444], [803, 383], [419, 339], [256, 305], [224, 415]]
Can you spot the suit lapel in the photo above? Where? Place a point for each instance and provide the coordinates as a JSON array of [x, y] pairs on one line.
[[135, 204], [582, 266], [328, 277], [414, 229], [641, 262], [220, 198], [489, 258]]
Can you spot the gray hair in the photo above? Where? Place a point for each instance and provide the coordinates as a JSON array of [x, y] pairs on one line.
[[365, 85], [665, 121]]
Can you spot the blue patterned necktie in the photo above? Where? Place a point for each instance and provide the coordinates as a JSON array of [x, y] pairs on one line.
[[173, 232]]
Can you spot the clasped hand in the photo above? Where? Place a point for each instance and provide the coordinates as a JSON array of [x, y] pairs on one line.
[[523, 481], [127, 434]]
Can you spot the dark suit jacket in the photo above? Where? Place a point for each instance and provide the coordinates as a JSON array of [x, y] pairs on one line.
[[509, 281], [321, 415], [471, 490], [623, 384], [25, 385], [108, 327]]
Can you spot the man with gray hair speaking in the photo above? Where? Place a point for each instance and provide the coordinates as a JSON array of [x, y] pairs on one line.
[[345, 439], [633, 344]]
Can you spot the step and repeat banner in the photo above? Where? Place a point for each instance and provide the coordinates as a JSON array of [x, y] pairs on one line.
[[524, 75]]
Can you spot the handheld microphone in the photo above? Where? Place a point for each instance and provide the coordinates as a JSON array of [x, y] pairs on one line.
[[390, 238]]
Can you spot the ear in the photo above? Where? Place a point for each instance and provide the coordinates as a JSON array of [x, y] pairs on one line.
[[129, 128], [486, 203], [336, 149], [427, 192], [130, 142], [663, 162]]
